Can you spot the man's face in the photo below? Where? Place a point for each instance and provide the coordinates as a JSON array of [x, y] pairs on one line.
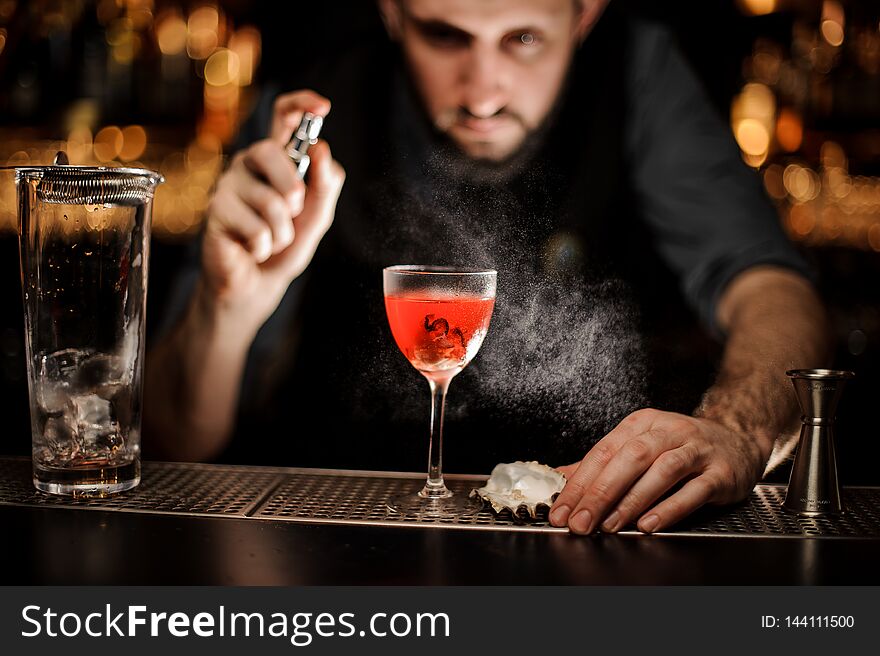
[[488, 71]]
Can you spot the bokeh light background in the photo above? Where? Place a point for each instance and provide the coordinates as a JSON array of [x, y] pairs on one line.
[[166, 85]]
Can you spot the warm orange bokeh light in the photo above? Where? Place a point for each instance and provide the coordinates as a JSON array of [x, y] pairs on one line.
[[801, 220], [246, 43], [108, 143], [203, 32], [134, 142], [222, 68], [757, 7], [789, 130], [171, 33], [752, 137]]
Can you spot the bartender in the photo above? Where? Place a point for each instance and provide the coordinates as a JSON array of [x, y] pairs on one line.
[[564, 143]]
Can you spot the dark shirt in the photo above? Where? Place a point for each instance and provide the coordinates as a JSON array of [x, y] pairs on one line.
[[619, 230]]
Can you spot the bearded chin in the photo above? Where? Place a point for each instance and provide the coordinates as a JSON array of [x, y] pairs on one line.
[[450, 161]]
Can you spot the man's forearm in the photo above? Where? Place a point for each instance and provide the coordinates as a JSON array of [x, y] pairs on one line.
[[193, 379], [775, 322]]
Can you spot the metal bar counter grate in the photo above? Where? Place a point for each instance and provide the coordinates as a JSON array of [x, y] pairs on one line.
[[317, 496]]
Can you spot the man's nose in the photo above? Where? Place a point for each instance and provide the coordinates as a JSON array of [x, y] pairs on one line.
[[485, 82]]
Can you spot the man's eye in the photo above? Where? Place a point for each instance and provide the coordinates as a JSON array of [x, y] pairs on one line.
[[524, 40]]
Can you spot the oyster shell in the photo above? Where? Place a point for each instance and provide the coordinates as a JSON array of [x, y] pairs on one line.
[[515, 485]]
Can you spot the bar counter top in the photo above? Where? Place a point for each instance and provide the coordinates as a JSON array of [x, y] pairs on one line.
[[227, 525]]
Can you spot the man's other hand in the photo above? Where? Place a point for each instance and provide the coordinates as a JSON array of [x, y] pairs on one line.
[[264, 223], [623, 476]]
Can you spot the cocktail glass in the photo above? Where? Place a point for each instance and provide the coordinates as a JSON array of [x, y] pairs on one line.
[[439, 317]]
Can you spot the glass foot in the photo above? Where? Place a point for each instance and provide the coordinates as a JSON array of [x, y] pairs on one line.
[[456, 505]]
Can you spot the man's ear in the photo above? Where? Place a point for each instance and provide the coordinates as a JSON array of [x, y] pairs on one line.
[[590, 12], [392, 18]]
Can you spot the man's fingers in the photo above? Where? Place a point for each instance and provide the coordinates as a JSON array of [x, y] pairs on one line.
[[694, 494], [668, 469], [288, 111], [270, 205], [568, 470], [241, 223], [325, 176], [595, 461], [632, 460], [325, 180], [589, 468], [266, 161]]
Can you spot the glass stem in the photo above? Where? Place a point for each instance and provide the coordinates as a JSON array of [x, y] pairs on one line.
[[435, 488]]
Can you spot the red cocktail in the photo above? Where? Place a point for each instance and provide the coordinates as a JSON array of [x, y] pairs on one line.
[[439, 336], [439, 317]]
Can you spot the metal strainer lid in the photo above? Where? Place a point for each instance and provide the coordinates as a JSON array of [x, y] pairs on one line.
[[87, 185]]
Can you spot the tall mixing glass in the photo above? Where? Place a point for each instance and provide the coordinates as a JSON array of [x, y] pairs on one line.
[[439, 317], [84, 237]]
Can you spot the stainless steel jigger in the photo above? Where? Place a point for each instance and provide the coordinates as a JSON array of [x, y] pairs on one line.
[[813, 488]]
